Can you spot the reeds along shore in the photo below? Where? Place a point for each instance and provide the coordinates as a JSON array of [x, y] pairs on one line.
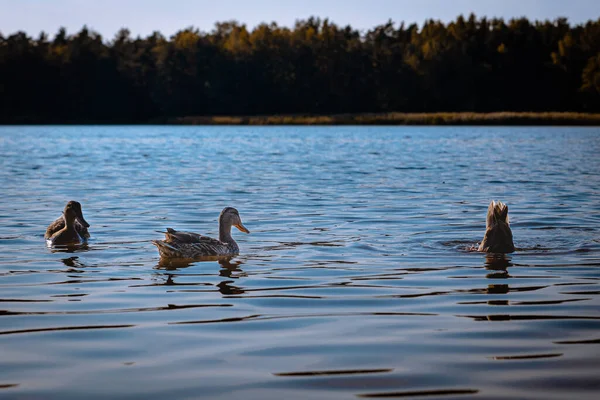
[[459, 118]]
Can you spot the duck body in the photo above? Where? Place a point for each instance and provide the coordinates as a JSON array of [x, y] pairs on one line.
[[80, 224], [67, 235], [179, 244], [498, 235], [59, 224]]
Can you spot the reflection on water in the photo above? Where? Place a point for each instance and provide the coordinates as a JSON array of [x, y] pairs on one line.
[[419, 393], [229, 269], [356, 282], [498, 263], [71, 248]]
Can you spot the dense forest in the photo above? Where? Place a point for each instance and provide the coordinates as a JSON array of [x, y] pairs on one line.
[[316, 67]]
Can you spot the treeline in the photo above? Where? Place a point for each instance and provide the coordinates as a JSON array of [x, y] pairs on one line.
[[470, 64]]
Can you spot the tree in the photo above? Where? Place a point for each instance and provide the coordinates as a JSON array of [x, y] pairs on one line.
[[469, 64]]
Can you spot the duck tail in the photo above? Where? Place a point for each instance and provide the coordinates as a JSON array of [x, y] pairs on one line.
[[165, 249], [501, 212], [497, 212]]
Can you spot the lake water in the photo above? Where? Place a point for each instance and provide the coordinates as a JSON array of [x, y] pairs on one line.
[[355, 280]]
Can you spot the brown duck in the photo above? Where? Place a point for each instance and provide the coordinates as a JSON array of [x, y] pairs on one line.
[[193, 245], [498, 236], [80, 223], [71, 229]]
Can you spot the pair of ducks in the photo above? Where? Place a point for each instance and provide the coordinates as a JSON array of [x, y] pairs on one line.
[[71, 229]]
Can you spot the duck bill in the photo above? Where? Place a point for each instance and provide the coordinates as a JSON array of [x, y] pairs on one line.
[[82, 221], [242, 228]]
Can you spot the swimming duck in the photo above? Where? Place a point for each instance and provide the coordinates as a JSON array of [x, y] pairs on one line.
[[80, 224], [68, 235], [193, 245], [498, 236]]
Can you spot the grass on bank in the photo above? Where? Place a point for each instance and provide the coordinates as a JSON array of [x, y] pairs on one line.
[[459, 118]]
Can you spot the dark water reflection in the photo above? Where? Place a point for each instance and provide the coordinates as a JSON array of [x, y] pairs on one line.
[[357, 279]]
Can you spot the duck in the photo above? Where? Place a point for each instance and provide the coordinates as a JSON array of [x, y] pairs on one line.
[[68, 235], [178, 244], [80, 223], [498, 237]]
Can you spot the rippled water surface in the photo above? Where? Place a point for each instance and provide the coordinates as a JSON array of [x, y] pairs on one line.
[[355, 281]]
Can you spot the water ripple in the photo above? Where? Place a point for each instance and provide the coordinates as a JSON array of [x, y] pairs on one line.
[[359, 277]]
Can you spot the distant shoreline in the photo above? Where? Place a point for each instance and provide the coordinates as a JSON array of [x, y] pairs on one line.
[[440, 118], [389, 119]]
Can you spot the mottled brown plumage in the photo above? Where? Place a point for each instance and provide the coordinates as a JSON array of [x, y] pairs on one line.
[[498, 236], [80, 224], [68, 235], [179, 244]]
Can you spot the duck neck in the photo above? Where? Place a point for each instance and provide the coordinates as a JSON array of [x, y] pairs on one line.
[[69, 223], [225, 233]]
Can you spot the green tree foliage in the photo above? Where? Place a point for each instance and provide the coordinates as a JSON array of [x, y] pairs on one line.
[[316, 67]]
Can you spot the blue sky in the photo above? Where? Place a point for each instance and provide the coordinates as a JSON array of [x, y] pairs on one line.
[[144, 16]]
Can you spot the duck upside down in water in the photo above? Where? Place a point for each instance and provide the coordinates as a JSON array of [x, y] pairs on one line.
[[80, 223], [498, 236], [70, 230], [193, 245]]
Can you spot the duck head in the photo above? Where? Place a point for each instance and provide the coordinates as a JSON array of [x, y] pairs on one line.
[[231, 217], [73, 211]]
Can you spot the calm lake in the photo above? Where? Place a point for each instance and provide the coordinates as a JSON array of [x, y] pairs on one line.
[[356, 279]]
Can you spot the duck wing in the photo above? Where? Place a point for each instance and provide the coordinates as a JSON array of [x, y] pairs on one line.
[[180, 237], [59, 224], [192, 246], [54, 227], [205, 246]]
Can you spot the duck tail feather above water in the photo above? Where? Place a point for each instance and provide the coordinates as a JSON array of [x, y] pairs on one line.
[[166, 249], [497, 212]]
